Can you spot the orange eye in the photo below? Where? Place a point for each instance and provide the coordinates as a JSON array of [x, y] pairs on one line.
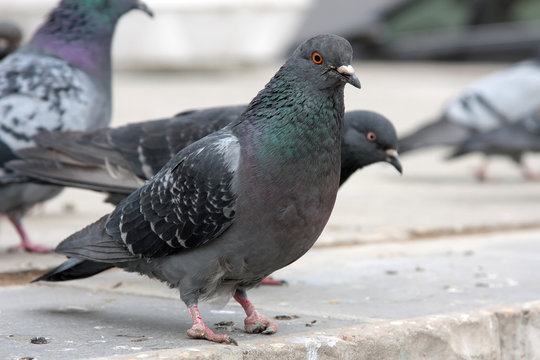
[[317, 58]]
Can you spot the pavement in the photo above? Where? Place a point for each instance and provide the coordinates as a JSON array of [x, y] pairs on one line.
[[431, 264]]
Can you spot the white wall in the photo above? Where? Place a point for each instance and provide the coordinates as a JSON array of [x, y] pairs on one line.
[[189, 33]]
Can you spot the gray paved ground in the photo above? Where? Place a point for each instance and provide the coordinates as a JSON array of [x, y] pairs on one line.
[[384, 280], [343, 291]]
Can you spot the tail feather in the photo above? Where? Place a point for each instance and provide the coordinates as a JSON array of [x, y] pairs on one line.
[[442, 132], [73, 269], [87, 177], [93, 243]]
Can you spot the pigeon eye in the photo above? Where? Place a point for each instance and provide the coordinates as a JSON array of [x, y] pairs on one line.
[[317, 58], [370, 136]]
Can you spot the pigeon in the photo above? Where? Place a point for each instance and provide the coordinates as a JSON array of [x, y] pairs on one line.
[[10, 37], [240, 203], [511, 140], [489, 103], [61, 81], [119, 160]]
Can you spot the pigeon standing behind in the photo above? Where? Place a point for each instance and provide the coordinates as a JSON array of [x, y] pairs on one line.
[[10, 38], [235, 206], [61, 81], [119, 160], [491, 102]]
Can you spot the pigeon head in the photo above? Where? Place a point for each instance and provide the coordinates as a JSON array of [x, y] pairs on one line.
[[367, 138], [81, 31], [325, 60], [106, 10]]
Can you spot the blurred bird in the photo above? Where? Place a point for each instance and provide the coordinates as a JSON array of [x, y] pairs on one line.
[[489, 103], [10, 37], [511, 140], [240, 203], [60, 80], [119, 160]]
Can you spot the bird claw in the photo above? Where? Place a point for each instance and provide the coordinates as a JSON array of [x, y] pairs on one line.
[[199, 331], [256, 323], [270, 331]]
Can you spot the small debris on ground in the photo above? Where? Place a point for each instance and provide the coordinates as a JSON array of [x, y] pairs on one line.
[[136, 338], [286, 317], [40, 340], [227, 325], [391, 272], [310, 324]]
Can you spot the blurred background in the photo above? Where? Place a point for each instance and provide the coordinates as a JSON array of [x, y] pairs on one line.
[[189, 34], [412, 57]]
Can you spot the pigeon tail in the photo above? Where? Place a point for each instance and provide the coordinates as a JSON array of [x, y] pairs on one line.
[[93, 243], [73, 269], [441, 132]]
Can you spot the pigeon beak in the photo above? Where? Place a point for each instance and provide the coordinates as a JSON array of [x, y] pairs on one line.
[[143, 7], [393, 159], [348, 72]]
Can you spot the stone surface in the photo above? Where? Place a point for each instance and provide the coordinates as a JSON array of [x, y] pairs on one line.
[[470, 297]]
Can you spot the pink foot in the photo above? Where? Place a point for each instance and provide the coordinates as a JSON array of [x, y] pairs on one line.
[[199, 330], [254, 322], [482, 172], [481, 175], [26, 244], [271, 281], [529, 174], [31, 247], [257, 323]]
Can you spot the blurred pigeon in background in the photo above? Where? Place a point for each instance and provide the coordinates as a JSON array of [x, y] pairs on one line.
[[10, 37], [119, 160], [244, 201], [511, 140], [61, 81], [489, 103]]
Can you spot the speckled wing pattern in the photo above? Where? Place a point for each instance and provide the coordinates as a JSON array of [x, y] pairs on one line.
[[43, 93], [191, 201]]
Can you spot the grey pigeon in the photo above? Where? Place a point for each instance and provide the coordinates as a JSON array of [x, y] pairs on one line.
[[240, 203], [512, 140], [61, 81], [119, 160], [10, 37], [491, 102]]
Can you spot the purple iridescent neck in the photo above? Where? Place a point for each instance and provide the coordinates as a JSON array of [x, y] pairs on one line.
[[93, 57]]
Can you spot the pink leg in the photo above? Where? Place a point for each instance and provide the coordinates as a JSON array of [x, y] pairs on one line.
[[254, 322], [199, 330], [271, 281], [26, 244], [481, 174]]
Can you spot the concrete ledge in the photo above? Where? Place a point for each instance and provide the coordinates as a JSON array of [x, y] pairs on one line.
[[508, 333]]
